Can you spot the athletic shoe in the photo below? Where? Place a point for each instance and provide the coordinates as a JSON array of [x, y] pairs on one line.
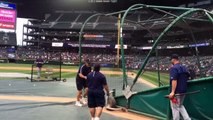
[[77, 103], [84, 101]]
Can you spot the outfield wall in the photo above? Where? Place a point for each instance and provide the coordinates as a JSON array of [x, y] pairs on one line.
[[152, 102], [109, 65], [3, 60]]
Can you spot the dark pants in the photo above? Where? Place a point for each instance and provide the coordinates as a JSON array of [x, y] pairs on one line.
[[80, 84], [96, 98]]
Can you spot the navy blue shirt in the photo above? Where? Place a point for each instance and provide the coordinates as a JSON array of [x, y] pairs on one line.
[[96, 80], [39, 62], [83, 70], [180, 73]]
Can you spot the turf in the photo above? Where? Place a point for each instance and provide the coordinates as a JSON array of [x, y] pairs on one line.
[[63, 74], [148, 75], [17, 71], [152, 77], [14, 65], [55, 66]]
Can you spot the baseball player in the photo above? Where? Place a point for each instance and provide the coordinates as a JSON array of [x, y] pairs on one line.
[[39, 63], [178, 84]]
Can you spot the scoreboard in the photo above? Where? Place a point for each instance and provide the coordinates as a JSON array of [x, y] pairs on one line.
[[7, 15]]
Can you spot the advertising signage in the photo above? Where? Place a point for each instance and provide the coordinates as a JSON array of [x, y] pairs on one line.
[[7, 15]]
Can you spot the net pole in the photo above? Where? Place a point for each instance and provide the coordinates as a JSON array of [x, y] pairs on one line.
[[32, 73], [159, 39], [196, 48], [60, 67], [81, 36], [118, 40], [158, 66]]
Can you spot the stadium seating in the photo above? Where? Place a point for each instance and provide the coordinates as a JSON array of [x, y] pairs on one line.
[[7, 38], [84, 16], [68, 17], [62, 25], [133, 61], [53, 17]]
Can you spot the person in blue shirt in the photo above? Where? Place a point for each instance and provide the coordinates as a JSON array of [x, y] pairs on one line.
[[81, 82], [39, 63], [178, 85], [96, 95]]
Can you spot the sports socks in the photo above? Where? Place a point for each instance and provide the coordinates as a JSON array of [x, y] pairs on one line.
[[96, 118]]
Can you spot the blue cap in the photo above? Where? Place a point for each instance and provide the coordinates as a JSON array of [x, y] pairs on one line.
[[175, 56]]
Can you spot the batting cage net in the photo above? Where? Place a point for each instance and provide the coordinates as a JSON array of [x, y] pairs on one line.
[[158, 34], [99, 42], [48, 70], [136, 46]]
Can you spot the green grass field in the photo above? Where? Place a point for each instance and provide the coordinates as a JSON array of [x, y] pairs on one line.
[[149, 76], [153, 77], [63, 74]]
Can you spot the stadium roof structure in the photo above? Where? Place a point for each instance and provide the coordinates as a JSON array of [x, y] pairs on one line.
[[146, 24], [137, 20], [38, 8]]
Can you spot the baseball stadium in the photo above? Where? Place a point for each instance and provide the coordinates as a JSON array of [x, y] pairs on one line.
[[45, 43]]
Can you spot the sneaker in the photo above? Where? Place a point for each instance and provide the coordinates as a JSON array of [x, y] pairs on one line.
[[84, 101], [77, 103]]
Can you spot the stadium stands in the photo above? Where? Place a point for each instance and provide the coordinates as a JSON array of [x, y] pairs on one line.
[[138, 39], [3, 52], [52, 17], [68, 17], [133, 61], [82, 18], [7, 38], [62, 25]]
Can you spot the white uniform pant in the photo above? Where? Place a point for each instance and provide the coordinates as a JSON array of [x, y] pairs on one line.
[[38, 72], [178, 108]]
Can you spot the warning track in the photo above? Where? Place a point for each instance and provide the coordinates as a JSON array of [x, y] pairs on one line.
[[127, 115]]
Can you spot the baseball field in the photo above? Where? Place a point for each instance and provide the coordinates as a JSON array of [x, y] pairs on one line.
[[41, 100], [60, 94], [70, 72]]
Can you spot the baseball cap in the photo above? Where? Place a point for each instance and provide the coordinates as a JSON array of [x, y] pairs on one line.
[[175, 56]]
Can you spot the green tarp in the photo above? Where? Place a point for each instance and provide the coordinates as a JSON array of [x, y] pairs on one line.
[[153, 103]]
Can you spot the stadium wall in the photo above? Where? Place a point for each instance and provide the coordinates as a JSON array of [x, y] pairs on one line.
[[108, 65], [3, 60]]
